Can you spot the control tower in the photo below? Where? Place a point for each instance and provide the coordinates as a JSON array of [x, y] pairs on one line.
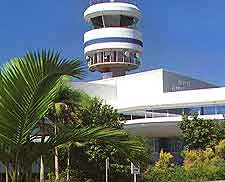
[[114, 45]]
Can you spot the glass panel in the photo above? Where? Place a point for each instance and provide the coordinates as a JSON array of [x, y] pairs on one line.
[[158, 113], [120, 56], [100, 57], [112, 20], [126, 116], [95, 58], [220, 109], [107, 56], [115, 56], [210, 110], [175, 112], [91, 60], [112, 56], [195, 110], [97, 22], [127, 21], [126, 59]]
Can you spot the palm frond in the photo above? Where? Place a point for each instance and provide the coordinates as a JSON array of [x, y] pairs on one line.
[[114, 137], [28, 86]]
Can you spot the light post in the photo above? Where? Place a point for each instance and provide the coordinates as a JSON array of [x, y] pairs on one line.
[[135, 170], [107, 168], [135, 178]]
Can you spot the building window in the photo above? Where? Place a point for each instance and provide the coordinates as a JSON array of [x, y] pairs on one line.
[[97, 22], [114, 56], [220, 110], [120, 56], [100, 57], [210, 110], [107, 56], [95, 58]]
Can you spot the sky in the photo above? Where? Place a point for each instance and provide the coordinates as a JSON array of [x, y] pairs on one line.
[[184, 36]]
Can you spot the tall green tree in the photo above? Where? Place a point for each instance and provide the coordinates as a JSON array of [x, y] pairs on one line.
[[201, 133], [93, 112], [63, 112]]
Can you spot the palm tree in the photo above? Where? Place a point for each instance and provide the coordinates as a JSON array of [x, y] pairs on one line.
[[28, 87]]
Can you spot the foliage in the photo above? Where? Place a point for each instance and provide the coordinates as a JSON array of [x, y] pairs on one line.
[[75, 176], [28, 87], [220, 149], [199, 165], [175, 174], [208, 162], [93, 112], [165, 161], [201, 133]]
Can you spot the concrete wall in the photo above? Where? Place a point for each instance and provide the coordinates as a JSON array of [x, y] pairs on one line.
[[152, 90], [125, 89], [133, 88], [104, 91]]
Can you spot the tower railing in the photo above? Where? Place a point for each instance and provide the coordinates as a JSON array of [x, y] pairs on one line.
[[93, 2]]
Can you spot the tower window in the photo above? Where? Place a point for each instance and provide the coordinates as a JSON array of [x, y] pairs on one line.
[[97, 22], [126, 21], [113, 21], [120, 56], [107, 56], [115, 56], [95, 58]]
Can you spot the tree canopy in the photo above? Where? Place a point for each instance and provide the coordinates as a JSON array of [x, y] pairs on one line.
[[201, 133]]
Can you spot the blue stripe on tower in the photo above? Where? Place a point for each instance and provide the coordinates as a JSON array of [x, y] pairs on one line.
[[113, 39]]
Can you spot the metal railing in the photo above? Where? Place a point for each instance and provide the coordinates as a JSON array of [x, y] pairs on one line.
[[93, 2]]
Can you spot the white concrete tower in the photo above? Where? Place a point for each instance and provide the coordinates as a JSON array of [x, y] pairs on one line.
[[113, 46]]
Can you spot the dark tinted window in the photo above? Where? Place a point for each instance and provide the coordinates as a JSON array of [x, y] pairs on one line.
[[220, 109], [97, 22], [113, 21]]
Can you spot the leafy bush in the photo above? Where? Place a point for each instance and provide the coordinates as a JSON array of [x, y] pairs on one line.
[[201, 165], [75, 176], [201, 133], [165, 160], [207, 163], [175, 174]]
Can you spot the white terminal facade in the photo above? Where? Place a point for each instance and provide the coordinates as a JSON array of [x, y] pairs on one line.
[[153, 101]]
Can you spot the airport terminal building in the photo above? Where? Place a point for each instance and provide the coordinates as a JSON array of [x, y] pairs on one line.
[[153, 101]]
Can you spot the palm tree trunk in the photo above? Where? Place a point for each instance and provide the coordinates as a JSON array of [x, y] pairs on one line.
[[56, 163], [6, 174], [14, 172], [42, 170], [68, 166], [28, 174], [14, 176], [56, 159]]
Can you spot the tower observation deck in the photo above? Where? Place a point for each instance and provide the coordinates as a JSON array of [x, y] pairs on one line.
[[114, 45]]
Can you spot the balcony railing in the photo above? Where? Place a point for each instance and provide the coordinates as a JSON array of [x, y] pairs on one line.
[[178, 112], [93, 2]]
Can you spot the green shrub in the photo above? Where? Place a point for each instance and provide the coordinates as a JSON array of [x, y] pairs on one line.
[[175, 174]]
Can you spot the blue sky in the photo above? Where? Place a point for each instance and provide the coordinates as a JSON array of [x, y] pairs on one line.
[[185, 36]]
